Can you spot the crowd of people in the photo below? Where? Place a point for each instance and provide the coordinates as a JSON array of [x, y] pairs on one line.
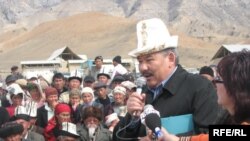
[[106, 106]]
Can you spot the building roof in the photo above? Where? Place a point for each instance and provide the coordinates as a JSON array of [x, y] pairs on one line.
[[65, 53], [227, 49], [40, 62]]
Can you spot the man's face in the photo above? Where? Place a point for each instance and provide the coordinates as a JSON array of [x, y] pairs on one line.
[[119, 98], [88, 84], [26, 125], [98, 63], [104, 79], [156, 67], [102, 93], [17, 100], [74, 83], [59, 83]]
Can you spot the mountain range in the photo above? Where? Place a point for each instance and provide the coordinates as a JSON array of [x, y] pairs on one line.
[[33, 29]]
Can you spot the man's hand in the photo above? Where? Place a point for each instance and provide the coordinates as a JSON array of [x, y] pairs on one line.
[[135, 104]]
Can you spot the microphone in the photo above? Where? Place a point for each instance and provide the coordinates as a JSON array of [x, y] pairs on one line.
[[140, 82], [151, 118]]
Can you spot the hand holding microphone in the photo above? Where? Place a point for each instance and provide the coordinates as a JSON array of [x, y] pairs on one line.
[[136, 100]]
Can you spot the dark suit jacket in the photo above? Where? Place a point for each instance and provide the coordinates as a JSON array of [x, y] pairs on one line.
[[42, 117], [184, 93]]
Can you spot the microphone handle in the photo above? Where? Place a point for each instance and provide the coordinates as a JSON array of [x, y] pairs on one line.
[[138, 91]]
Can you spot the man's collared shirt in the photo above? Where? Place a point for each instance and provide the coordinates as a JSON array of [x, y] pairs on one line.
[[156, 91]]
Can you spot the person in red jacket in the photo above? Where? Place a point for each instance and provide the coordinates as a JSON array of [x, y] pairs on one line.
[[62, 114]]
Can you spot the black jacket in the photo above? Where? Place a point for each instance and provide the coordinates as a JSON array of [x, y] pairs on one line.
[[42, 117]]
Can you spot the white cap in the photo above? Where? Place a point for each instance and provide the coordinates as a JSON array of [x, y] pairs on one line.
[[31, 109], [153, 36], [88, 90], [70, 128], [119, 89], [15, 89], [129, 85], [20, 110]]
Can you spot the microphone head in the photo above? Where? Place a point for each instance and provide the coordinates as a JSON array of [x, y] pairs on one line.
[[153, 121], [141, 81]]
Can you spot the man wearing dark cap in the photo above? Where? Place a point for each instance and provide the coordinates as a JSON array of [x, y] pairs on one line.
[[103, 98], [118, 68], [88, 81], [10, 79], [118, 79], [11, 131], [22, 117], [207, 73], [75, 81], [103, 77]]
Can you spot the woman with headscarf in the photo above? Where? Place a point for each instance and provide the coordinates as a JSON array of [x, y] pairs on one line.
[[36, 93], [88, 99], [16, 97], [63, 113]]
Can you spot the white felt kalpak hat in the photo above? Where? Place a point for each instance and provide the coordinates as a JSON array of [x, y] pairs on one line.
[[68, 129], [153, 36]]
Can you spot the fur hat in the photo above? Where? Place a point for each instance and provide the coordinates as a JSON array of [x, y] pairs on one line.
[[153, 36]]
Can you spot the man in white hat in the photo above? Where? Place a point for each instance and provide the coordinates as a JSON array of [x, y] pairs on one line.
[[68, 132], [170, 89], [22, 117], [75, 81]]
